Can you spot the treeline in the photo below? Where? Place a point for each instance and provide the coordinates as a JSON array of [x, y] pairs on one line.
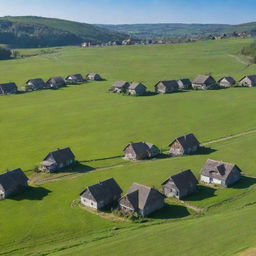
[[250, 51]]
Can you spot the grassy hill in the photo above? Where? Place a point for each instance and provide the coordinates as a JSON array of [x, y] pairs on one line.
[[46, 220], [29, 31]]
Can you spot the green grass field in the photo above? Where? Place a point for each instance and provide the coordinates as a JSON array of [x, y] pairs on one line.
[[97, 125]]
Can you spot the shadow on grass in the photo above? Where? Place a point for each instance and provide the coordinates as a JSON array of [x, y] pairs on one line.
[[244, 182], [204, 151], [162, 156], [32, 193], [101, 159], [202, 193], [170, 212], [78, 168]]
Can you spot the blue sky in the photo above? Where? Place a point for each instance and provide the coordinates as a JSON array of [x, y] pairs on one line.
[[136, 11]]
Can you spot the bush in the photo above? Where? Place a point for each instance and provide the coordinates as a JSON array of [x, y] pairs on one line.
[[5, 53], [250, 51]]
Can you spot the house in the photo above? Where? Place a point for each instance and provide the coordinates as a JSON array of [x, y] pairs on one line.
[[184, 145], [140, 150], [221, 173], [204, 82], [180, 185], [102, 194], [120, 87], [12, 182], [8, 88], [142, 200], [74, 79], [137, 89], [227, 81], [248, 81], [58, 159], [184, 83], [93, 77], [167, 86], [35, 84], [55, 82]]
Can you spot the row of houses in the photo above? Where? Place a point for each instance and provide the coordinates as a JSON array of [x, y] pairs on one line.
[[51, 83], [201, 82], [145, 200]]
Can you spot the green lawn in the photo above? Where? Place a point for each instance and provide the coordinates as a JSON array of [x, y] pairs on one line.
[[97, 125]]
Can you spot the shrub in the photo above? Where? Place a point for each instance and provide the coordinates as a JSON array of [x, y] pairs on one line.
[[5, 53]]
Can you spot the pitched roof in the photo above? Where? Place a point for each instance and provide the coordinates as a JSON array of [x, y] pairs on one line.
[[218, 169], [120, 84], [135, 85], [185, 81], [61, 155], [187, 141], [56, 79], [103, 190], [251, 77], [8, 88], [77, 77], [183, 180], [230, 79], [140, 147], [12, 179], [201, 79], [168, 83], [37, 82], [146, 195]]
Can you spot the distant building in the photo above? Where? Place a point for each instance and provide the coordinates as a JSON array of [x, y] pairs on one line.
[[8, 88], [58, 160], [35, 84], [12, 182], [120, 87], [204, 82], [221, 173], [248, 81], [140, 150], [184, 145], [137, 89], [227, 81], [93, 77], [101, 195], [185, 83], [167, 86], [142, 200], [74, 79], [56, 82], [180, 185]]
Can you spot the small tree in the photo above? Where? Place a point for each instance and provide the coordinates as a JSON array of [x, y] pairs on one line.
[[5, 53]]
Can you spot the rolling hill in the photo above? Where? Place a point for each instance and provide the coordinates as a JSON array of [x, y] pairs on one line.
[[29, 31]]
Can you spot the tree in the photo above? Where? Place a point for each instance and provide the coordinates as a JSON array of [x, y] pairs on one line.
[[5, 53]]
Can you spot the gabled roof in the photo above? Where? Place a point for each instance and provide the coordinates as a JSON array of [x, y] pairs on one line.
[[61, 155], [218, 169], [183, 180], [230, 79], [77, 77], [168, 83], [251, 77], [140, 147], [146, 195], [37, 82], [187, 141], [134, 85], [104, 190], [185, 81], [120, 84], [201, 79], [8, 88], [57, 79], [11, 179]]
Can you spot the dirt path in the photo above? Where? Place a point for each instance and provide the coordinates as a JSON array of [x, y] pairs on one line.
[[192, 207]]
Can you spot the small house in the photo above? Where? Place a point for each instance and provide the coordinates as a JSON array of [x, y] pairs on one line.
[[56, 82], [167, 86], [58, 160], [12, 182], [220, 173], [74, 79], [120, 87], [142, 200], [137, 89], [8, 88], [93, 77], [35, 84], [227, 81], [248, 81], [101, 195], [204, 82], [185, 83], [140, 150], [180, 185], [184, 145]]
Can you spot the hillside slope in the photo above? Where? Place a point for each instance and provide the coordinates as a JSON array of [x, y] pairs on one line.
[[29, 31]]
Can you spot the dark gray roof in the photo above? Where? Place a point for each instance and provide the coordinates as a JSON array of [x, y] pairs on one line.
[[135, 85], [202, 79], [183, 180], [185, 81], [218, 169], [120, 84], [13, 179], [187, 141], [140, 147], [8, 88], [230, 79], [56, 80], [169, 83], [104, 190], [75, 77], [251, 77], [38, 82], [61, 155]]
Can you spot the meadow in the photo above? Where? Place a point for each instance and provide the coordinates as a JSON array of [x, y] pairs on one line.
[[97, 125]]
